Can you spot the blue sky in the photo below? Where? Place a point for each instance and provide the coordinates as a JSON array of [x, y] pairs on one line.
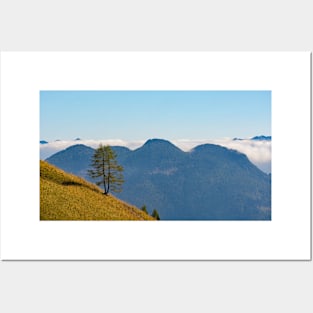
[[140, 115]]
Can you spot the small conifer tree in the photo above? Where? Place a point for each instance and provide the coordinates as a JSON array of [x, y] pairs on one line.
[[105, 169], [155, 214], [144, 209]]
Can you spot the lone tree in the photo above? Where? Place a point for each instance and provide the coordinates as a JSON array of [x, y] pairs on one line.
[[105, 169]]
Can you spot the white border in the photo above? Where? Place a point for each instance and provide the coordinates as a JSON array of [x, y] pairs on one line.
[[24, 74]]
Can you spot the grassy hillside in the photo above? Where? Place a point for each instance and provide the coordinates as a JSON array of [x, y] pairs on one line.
[[67, 197]]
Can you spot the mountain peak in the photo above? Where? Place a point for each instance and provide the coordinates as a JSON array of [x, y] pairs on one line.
[[78, 146], [262, 137], [215, 149], [156, 143]]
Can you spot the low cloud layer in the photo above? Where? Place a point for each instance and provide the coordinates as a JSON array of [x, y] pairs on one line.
[[258, 152], [53, 147]]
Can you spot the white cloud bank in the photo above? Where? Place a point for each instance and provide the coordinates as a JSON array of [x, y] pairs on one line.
[[258, 152], [53, 147]]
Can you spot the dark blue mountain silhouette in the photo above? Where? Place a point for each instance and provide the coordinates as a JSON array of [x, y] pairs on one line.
[[208, 183], [262, 137]]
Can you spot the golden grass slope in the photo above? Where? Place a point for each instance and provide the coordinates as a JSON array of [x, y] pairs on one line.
[[67, 197]]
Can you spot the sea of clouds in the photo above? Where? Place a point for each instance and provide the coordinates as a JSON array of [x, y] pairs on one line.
[[258, 152]]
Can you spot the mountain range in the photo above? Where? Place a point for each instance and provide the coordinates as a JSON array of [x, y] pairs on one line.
[[257, 138], [210, 182]]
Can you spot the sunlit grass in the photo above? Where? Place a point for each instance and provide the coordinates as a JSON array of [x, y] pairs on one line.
[[67, 197]]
